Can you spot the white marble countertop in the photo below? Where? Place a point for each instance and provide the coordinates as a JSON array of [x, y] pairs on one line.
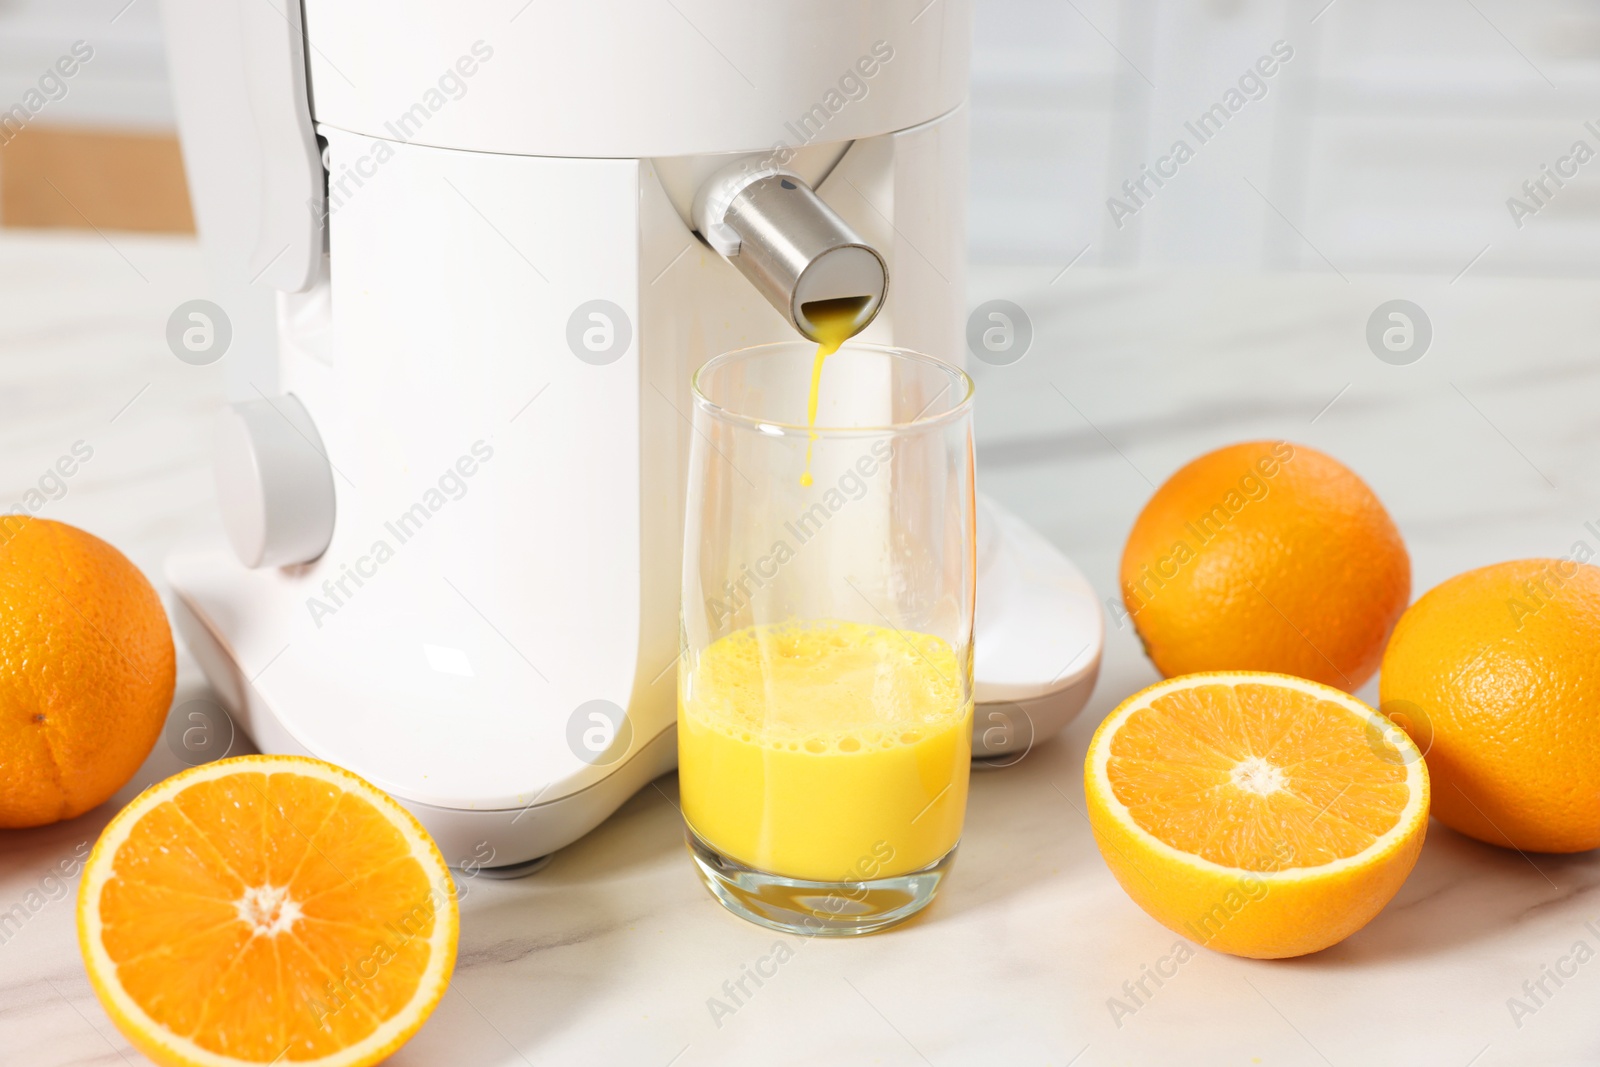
[[1482, 451]]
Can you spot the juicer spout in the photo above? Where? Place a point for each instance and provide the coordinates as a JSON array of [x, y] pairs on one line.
[[792, 246]]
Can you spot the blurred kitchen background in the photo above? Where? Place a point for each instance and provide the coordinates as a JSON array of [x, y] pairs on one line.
[[1390, 142]]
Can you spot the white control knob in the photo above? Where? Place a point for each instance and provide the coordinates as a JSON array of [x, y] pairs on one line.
[[274, 482]]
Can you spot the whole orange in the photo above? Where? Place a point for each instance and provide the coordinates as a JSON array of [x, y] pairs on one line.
[[1495, 674], [1266, 556], [86, 670]]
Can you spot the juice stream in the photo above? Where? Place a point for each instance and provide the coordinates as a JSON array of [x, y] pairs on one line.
[[835, 322]]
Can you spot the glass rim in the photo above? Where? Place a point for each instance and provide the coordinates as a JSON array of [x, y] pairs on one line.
[[959, 409]]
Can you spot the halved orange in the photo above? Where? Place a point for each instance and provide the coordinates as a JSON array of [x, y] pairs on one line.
[[267, 909], [1257, 814]]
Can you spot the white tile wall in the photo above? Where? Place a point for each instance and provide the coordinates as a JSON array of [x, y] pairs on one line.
[[1389, 143], [124, 85]]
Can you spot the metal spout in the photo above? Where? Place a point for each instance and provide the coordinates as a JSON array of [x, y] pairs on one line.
[[792, 246]]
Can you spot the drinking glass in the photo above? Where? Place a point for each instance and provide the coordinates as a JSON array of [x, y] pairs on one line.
[[825, 692]]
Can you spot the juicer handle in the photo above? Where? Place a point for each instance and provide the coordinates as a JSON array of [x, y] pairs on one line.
[[250, 152], [792, 246]]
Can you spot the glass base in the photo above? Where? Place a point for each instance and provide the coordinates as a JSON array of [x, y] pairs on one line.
[[816, 909]]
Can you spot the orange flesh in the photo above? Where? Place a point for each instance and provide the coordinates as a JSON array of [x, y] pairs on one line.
[[1256, 777], [268, 915]]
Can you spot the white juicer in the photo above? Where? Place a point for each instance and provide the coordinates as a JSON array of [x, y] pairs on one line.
[[502, 236]]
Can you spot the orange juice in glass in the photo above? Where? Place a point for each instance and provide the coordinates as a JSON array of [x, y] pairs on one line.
[[825, 699]]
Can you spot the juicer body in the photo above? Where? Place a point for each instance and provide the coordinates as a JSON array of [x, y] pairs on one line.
[[489, 301]]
